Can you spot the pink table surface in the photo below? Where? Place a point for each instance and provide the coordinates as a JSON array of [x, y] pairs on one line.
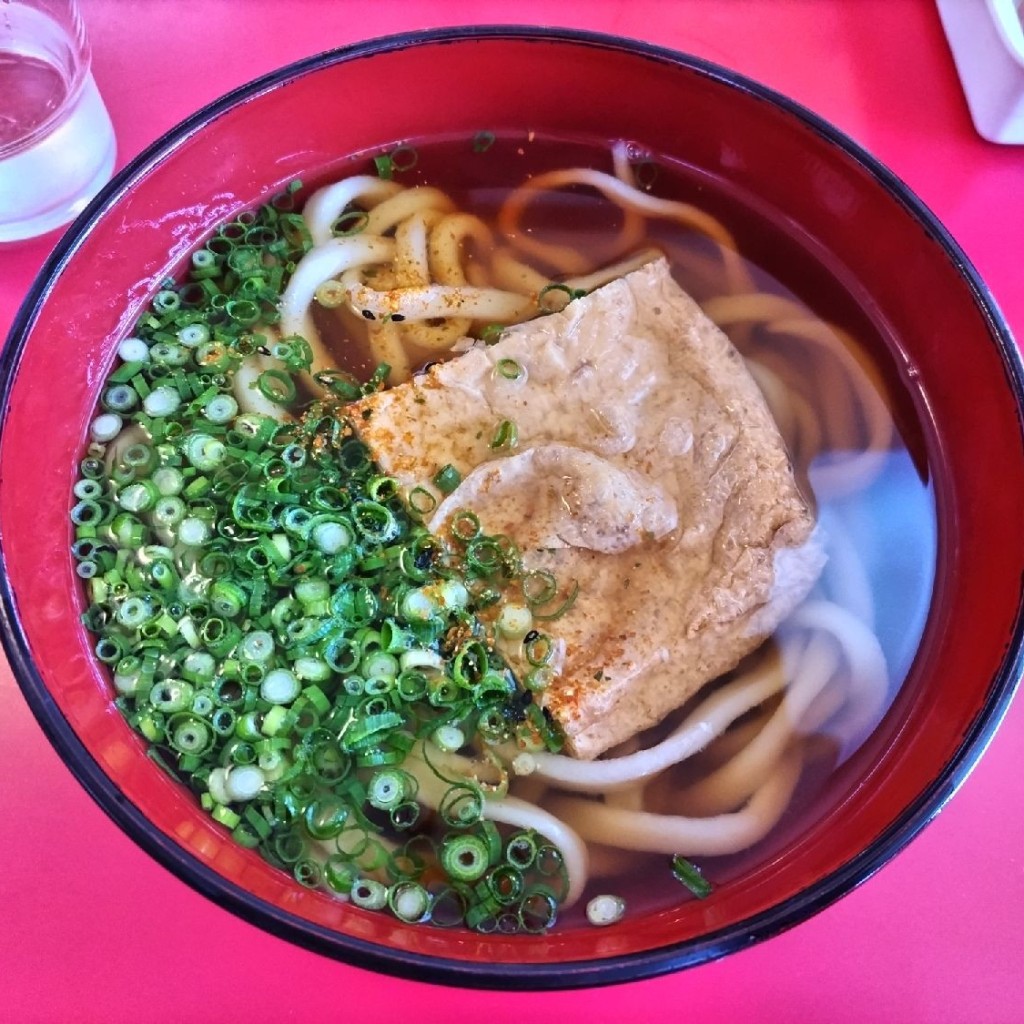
[[92, 930]]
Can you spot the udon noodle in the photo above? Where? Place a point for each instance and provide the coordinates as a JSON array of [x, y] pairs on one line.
[[410, 276]]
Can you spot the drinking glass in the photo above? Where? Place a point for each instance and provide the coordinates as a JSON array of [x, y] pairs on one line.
[[56, 140]]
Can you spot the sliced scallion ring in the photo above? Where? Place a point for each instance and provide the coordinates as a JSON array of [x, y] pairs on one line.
[[464, 858]]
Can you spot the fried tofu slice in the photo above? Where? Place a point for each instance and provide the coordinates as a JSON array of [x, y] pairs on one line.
[[648, 468]]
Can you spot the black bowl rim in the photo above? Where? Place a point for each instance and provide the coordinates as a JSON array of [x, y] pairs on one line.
[[449, 971]]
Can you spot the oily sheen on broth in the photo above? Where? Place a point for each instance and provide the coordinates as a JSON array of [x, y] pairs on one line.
[[694, 783]]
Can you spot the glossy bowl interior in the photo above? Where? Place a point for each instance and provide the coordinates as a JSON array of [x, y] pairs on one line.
[[945, 348]]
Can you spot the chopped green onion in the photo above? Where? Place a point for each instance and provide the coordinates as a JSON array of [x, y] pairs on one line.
[[374, 521], [244, 782], [447, 478], [350, 223], [379, 665], [137, 497], [198, 666], [418, 605], [168, 480], [339, 875], [521, 850], [505, 884], [120, 398], [171, 695], [140, 457], [277, 385], [227, 598], [88, 490], [277, 721], [419, 659], [225, 816], [256, 646], [449, 738], [204, 452], [690, 876], [193, 335], [387, 789], [465, 525], [403, 158], [465, 857], [483, 141], [166, 301], [221, 409], [509, 369], [369, 894], [539, 587], [409, 902], [560, 610], [105, 427], [167, 354], [133, 350], [331, 536], [325, 818], [514, 621], [162, 401], [421, 501], [538, 680], [558, 290], [331, 294], [193, 531], [505, 436], [280, 686], [134, 611], [190, 735]]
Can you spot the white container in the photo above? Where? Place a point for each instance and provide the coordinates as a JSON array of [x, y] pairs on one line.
[[56, 140], [987, 40]]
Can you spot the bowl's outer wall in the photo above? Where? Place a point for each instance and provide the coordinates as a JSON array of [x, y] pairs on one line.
[[947, 350]]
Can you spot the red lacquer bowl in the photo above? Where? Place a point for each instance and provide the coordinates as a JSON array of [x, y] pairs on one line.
[[945, 346]]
